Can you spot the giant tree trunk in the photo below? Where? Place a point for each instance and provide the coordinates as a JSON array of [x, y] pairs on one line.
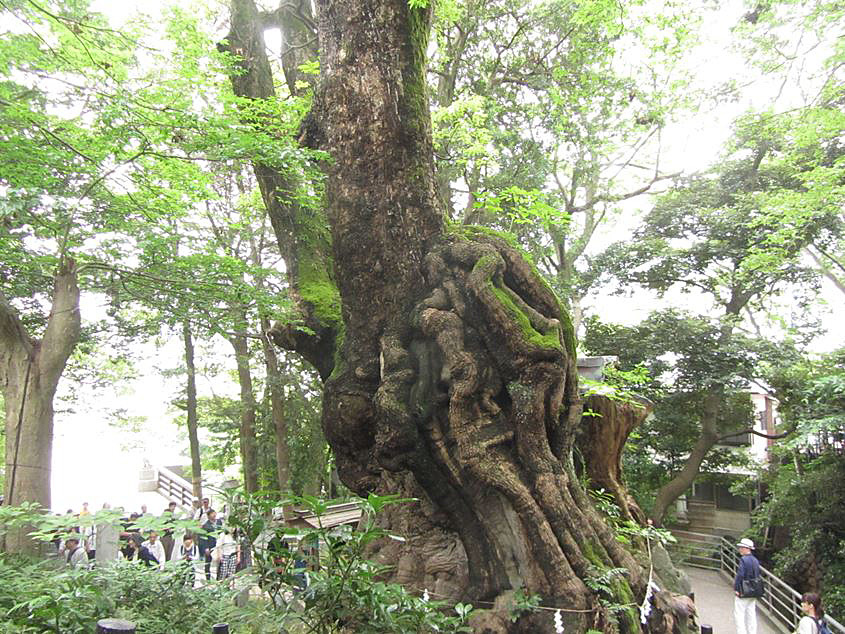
[[456, 380], [191, 411], [29, 375]]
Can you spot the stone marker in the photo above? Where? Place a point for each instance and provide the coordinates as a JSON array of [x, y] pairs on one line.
[[107, 543]]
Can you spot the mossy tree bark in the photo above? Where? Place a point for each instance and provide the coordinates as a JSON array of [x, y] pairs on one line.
[[30, 370], [301, 232], [454, 382]]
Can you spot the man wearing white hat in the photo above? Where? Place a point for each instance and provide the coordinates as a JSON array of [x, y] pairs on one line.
[[745, 606]]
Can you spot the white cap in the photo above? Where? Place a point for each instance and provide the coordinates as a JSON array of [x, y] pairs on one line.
[[746, 543]]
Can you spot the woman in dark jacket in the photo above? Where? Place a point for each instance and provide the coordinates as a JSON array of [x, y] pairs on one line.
[[138, 551]]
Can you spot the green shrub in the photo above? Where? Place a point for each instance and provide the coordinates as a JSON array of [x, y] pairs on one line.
[[346, 592], [38, 597]]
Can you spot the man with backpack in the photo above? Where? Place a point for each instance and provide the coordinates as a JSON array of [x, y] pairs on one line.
[[748, 586]]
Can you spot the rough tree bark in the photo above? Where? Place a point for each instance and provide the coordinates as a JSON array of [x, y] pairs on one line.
[[454, 381], [30, 370], [191, 411], [601, 438], [303, 241]]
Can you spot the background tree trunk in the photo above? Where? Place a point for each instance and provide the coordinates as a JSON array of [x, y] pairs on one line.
[[601, 438], [191, 411], [29, 374], [277, 407], [248, 442]]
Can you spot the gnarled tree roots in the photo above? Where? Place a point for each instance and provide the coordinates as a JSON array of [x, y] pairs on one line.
[[473, 411]]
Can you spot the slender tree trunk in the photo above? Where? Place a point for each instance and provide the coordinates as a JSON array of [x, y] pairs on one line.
[[673, 489], [248, 442], [191, 412], [277, 407], [29, 375]]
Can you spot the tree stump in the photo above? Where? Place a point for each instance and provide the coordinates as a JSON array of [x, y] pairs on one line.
[[115, 626]]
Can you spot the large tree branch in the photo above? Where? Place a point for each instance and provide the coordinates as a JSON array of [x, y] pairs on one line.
[[64, 323], [609, 198], [751, 430], [12, 331], [825, 268], [302, 241], [682, 481]]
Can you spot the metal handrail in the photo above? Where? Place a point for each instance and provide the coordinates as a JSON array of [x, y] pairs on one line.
[[699, 550], [781, 602]]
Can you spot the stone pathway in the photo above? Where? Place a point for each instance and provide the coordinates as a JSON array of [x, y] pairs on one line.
[[715, 603]]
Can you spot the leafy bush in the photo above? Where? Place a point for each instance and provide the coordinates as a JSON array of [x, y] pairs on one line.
[[345, 591], [814, 512], [38, 597]]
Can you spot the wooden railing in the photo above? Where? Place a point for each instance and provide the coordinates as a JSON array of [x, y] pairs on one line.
[[175, 488]]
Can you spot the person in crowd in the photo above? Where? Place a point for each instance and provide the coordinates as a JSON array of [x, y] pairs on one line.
[[144, 511], [745, 608], [187, 550], [208, 540], [201, 510], [226, 554], [74, 554], [139, 552], [84, 510], [156, 548], [167, 539], [811, 606], [187, 554], [90, 541]]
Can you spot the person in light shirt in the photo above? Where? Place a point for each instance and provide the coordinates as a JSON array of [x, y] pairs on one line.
[[811, 606], [154, 545], [74, 554]]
